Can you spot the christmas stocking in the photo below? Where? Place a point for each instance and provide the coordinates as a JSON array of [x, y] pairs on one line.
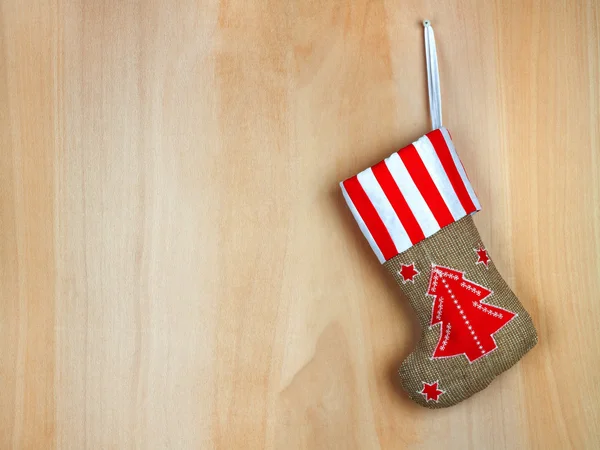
[[415, 209]]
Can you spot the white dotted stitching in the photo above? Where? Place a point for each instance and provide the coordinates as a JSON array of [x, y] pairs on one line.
[[470, 288], [435, 282], [440, 308], [446, 337], [441, 274], [480, 307]]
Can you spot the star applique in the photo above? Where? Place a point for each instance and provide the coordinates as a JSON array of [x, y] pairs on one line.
[[408, 273], [431, 391], [483, 256]]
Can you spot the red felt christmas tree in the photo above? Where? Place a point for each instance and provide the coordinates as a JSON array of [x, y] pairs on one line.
[[467, 324]]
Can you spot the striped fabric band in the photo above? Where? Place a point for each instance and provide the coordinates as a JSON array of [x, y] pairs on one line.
[[410, 195]]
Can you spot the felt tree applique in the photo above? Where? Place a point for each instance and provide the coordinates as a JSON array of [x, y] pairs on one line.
[[467, 324]]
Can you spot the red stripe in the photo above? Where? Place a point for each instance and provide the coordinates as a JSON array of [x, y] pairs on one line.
[[418, 172], [369, 214], [393, 194], [441, 148]]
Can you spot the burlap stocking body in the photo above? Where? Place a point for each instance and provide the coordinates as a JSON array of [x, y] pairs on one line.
[[415, 210]]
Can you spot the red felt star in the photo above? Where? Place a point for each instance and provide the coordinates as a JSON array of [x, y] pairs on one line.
[[408, 273], [431, 391], [483, 256]]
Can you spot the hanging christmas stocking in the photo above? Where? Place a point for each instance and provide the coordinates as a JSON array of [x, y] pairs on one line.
[[415, 209]]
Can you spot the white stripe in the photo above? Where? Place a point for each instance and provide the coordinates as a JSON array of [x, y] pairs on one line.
[[411, 194], [438, 175], [460, 168], [362, 225], [385, 209]]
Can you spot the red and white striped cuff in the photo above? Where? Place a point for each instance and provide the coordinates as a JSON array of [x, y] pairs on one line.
[[410, 195]]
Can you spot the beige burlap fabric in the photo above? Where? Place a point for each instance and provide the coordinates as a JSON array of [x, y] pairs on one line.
[[456, 376]]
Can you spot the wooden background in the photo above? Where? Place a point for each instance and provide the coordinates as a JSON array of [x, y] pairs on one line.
[[178, 268]]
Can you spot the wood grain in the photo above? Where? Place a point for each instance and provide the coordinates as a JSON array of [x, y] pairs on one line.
[[178, 269]]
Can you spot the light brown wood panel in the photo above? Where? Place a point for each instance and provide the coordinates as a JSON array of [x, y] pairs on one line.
[[178, 268]]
